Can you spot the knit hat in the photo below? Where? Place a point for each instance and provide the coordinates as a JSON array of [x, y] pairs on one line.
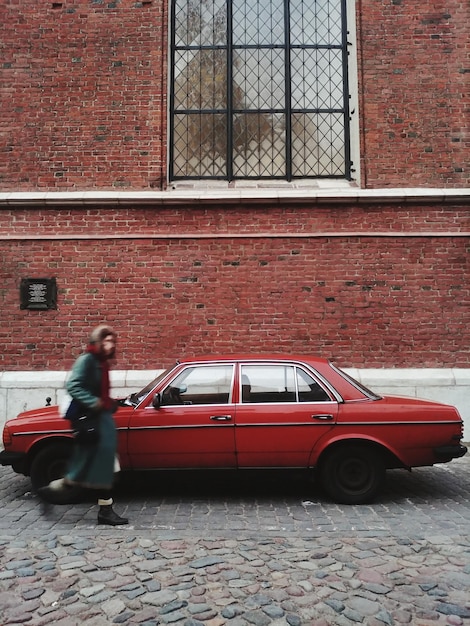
[[100, 332]]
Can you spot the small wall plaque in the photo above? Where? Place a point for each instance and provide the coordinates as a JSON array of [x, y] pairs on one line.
[[38, 293]]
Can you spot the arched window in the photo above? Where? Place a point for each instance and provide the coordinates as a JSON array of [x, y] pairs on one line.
[[259, 90]]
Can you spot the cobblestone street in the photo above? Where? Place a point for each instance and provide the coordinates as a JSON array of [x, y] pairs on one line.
[[217, 549]]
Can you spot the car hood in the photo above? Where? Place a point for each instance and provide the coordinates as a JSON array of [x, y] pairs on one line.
[[43, 413]]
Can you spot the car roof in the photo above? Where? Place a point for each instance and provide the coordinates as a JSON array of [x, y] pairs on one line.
[[256, 357], [346, 388]]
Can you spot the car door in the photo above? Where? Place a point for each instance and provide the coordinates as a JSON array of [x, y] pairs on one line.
[[192, 427], [283, 410]]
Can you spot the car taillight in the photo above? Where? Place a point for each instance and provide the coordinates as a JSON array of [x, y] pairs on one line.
[[7, 440]]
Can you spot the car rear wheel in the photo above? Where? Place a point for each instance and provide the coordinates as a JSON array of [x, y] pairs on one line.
[[50, 463], [352, 474]]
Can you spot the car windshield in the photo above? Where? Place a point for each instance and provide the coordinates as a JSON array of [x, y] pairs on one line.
[[370, 394], [136, 398]]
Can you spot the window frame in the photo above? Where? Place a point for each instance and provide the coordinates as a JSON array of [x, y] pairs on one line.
[[347, 111], [246, 380], [188, 372]]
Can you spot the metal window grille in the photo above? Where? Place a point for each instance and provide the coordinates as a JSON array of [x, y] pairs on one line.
[[259, 89]]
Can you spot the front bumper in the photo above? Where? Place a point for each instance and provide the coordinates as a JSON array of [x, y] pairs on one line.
[[15, 459], [447, 453]]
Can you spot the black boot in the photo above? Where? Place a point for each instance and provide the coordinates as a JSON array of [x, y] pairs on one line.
[[106, 515]]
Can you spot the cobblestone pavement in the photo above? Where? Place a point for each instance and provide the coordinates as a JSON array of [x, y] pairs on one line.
[[252, 550]]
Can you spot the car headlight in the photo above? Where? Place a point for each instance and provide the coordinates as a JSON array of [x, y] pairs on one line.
[[7, 440]]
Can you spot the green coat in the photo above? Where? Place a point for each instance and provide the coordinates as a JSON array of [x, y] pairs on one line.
[[92, 465], [84, 383]]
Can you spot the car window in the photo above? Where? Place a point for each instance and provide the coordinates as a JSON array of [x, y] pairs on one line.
[[370, 394], [309, 389], [279, 383], [268, 383], [205, 384], [135, 398]]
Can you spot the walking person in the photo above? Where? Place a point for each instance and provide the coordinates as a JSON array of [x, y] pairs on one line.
[[93, 463]]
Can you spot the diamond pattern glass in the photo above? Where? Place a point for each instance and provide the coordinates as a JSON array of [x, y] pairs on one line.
[[259, 74], [202, 80], [317, 79], [315, 21], [259, 146], [200, 23], [258, 23], [200, 146], [317, 145]]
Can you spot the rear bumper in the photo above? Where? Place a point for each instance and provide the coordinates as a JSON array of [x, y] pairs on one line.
[[15, 459], [447, 453]]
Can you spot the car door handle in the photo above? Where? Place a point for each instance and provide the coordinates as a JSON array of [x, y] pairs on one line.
[[221, 418], [324, 417]]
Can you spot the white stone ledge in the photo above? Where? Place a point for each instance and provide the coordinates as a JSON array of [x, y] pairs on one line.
[[447, 385], [297, 192], [56, 380], [413, 377], [32, 380]]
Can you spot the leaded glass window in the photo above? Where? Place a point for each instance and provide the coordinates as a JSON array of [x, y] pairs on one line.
[[259, 89]]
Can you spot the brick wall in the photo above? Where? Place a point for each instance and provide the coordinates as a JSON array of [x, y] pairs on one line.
[[84, 99], [369, 286], [414, 73], [83, 95], [84, 90]]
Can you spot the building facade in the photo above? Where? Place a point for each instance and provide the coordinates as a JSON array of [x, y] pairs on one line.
[[224, 176]]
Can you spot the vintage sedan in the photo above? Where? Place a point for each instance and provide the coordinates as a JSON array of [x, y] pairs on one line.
[[247, 412]]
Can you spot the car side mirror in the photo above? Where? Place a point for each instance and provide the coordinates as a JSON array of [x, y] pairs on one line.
[[156, 402]]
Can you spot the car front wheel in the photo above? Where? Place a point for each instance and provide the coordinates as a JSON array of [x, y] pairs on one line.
[[352, 474], [49, 464]]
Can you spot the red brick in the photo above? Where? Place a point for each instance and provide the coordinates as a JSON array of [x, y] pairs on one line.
[[361, 300]]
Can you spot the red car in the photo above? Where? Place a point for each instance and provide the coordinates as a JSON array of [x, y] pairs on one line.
[[241, 412]]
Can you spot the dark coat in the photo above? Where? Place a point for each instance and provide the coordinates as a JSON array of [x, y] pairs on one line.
[[92, 465]]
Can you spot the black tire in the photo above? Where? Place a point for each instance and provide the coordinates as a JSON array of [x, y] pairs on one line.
[[49, 464], [352, 474]]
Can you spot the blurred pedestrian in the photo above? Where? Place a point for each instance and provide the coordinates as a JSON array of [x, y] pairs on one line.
[[94, 461]]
